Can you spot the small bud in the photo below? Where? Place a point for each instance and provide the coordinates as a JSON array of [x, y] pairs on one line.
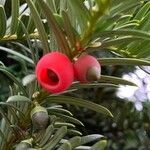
[[39, 117], [24, 145]]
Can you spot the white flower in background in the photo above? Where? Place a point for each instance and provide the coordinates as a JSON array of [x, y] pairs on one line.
[[136, 94]]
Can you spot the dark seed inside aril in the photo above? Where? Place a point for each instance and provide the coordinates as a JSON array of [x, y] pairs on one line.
[[52, 75]]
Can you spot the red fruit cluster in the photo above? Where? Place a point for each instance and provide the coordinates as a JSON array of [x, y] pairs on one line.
[[55, 72]]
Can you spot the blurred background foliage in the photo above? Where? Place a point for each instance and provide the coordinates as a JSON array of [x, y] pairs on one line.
[[130, 128]]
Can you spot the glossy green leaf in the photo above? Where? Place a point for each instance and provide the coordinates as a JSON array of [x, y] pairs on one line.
[[28, 39], [123, 6], [79, 86], [127, 25], [13, 52], [141, 13], [115, 80], [2, 21], [56, 138], [61, 39], [3, 136], [57, 106], [22, 10], [15, 16], [8, 122], [103, 24], [52, 5], [67, 118], [68, 125], [101, 145], [80, 12], [66, 91], [59, 19], [144, 24], [119, 41], [24, 19], [32, 149], [69, 29], [47, 135], [2, 2], [137, 33], [28, 79], [5, 128], [60, 110], [18, 98], [53, 119], [39, 25], [14, 107], [65, 146], [73, 132], [14, 117], [13, 78], [83, 148], [21, 101], [144, 53], [75, 141], [123, 61], [79, 102], [23, 47], [2, 64], [39, 136], [31, 25], [90, 138]]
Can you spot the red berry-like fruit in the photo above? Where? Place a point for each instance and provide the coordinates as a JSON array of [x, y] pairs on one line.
[[87, 69], [54, 72]]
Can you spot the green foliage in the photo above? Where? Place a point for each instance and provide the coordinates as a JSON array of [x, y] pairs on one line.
[[72, 27], [3, 21]]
